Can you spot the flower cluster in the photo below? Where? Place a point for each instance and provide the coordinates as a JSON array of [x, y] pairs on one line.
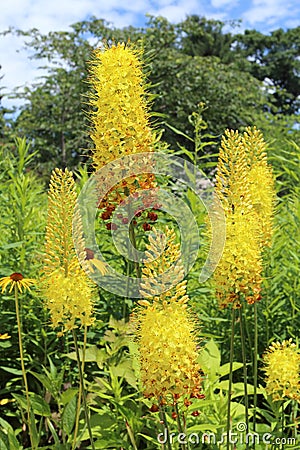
[[165, 328], [65, 285], [244, 185], [282, 368], [120, 122]]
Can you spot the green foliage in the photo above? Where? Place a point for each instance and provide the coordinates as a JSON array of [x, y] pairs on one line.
[[275, 58], [187, 63]]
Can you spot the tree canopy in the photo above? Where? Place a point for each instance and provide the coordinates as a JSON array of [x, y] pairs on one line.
[[241, 78]]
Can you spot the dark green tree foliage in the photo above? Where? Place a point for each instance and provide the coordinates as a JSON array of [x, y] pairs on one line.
[[275, 57], [187, 63], [202, 37], [54, 120]]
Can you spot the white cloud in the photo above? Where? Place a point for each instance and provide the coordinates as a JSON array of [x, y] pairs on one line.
[[274, 13], [221, 3]]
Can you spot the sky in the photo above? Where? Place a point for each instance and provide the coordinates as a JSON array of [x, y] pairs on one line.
[[57, 15]]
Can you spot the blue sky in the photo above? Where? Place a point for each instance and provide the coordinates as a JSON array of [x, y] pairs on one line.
[[54, 15]]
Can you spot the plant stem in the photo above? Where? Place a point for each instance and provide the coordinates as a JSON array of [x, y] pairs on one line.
[[19, 324], [243, 341], [180, 428], [133, 242], [230, 377], [282, 426], [81, 380], [80, 390], [255, 367], [165, 422]]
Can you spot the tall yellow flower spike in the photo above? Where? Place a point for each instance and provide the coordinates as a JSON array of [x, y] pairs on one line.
[[239, 270], [120, 122], [65, 285], [282, 369], [261, 183], [165, 329]]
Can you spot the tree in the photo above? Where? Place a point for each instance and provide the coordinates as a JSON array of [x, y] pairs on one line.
[[203, 37], [187, 63], [276, 60]]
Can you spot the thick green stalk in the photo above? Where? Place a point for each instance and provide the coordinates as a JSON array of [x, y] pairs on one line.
[[230, 377], [81, 381], [23, 368], [243, 341]]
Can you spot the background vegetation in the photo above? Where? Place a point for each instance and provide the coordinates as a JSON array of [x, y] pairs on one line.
[[243, 79]]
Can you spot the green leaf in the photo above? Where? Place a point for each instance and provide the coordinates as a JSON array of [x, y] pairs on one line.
[[38, 404], [69, 415], [44, 380], [11, 370], [66, 396], [225, 368]]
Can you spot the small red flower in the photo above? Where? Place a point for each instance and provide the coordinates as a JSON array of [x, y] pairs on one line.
[[105, 215], [111, 226], [152, 216]]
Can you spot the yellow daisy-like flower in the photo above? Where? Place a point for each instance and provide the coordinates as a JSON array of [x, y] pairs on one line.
[[164, 327], [16, 280], [282, 368]]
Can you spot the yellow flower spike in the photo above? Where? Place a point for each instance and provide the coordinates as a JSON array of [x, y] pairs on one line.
[[16, 280], [65, 286], [240, 268], [244, 185], [261, 183], [165, 329], [120, 120], [282, 367]]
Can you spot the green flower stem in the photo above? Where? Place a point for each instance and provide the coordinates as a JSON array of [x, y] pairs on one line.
[[133, 242], [165, 424], [23, 368], [81, 381], [179, 424], [255, 367], [80, 390], [282, 426], [230, 377], [243, 341]]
